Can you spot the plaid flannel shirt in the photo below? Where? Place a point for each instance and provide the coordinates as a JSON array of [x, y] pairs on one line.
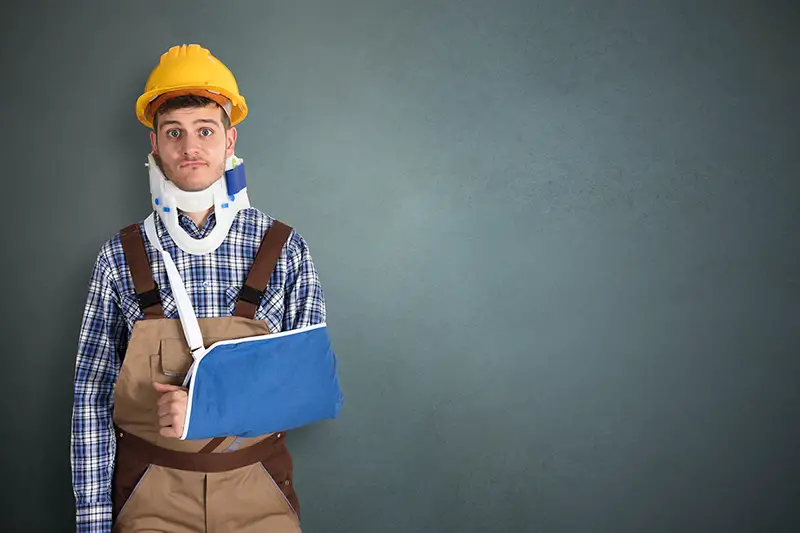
[[293, 299]]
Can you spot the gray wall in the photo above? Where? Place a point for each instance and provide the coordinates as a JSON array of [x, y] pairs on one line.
[[558, 242]]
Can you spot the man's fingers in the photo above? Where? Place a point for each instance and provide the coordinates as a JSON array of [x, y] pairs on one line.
[[174, 405], [170, 420], [171, 409], [179, 395], [172, 401], [169, 432], [164, 387]]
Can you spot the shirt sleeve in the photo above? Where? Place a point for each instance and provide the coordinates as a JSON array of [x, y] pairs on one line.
[[304, 303], [103, 338]]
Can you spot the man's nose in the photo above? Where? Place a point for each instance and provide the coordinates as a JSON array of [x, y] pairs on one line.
[[191, 147]]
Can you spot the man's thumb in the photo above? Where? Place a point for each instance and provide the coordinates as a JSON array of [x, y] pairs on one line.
[[164, 387]]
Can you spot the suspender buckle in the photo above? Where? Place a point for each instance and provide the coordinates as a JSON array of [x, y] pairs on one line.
[[251, 295], [149, 298]]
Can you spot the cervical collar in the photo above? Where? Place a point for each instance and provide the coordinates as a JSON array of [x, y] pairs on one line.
[[227, 195]]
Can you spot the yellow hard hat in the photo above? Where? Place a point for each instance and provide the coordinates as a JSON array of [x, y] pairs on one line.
[[190, 69]]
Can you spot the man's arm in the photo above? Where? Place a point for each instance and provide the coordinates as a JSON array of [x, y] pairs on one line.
[[304, 301], [103, 337], [304, 305]]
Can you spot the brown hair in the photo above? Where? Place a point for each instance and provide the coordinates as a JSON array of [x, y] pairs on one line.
[[185, 102]]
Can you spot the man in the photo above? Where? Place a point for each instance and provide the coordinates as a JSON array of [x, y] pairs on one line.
[[245, 275]]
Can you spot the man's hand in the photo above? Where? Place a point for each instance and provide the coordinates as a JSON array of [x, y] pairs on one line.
[[171, 409]]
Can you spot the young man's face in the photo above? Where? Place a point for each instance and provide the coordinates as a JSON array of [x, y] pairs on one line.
[[192, 145]]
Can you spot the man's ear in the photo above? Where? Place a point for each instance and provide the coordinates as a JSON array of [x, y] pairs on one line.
[[230, 141], [153, 143]]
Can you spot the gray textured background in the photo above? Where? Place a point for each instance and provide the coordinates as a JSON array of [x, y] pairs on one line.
[[559, 243]]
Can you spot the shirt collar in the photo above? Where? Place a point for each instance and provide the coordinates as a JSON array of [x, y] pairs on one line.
[[188, 226]]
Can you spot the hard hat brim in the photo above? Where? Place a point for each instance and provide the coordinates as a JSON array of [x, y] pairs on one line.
[[144, 111]]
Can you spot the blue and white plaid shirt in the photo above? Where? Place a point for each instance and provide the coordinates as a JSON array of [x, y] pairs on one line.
[[292, 300]]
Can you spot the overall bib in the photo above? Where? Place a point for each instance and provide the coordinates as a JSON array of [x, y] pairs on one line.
[[223, 484]]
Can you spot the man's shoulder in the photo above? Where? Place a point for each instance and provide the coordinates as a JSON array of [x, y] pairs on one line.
[[112, 248], [111, 255], [259, 221], [253, 216]]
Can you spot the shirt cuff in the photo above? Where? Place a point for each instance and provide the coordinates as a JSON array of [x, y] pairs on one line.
[[93, 518]]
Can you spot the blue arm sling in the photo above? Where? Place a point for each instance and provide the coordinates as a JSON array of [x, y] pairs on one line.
[[256, 385], [260, 385]]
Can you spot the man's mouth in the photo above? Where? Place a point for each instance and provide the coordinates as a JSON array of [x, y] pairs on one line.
[[193, 164]]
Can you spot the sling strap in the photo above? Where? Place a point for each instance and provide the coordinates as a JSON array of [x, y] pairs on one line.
[[145, 286], [261, 270]]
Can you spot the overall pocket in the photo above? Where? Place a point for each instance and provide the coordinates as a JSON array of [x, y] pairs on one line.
[[164, 500], [248, 500], [279, 489], [125, 490], [173, 361]]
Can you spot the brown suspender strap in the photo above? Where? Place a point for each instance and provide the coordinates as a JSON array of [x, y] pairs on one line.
[[263, 265], [212, 445], [146, 289], [131, 447], [143, 282]]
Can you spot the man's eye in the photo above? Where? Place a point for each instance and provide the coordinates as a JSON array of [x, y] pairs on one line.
[[205, 132], [173, 133]]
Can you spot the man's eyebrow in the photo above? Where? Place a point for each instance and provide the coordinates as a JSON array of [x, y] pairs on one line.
[[198, 121], [168, 123]]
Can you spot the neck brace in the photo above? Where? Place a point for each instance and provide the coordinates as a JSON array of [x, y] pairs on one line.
[[227, 195]]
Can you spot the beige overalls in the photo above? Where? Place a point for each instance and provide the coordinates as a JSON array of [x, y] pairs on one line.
[[226, 484]]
